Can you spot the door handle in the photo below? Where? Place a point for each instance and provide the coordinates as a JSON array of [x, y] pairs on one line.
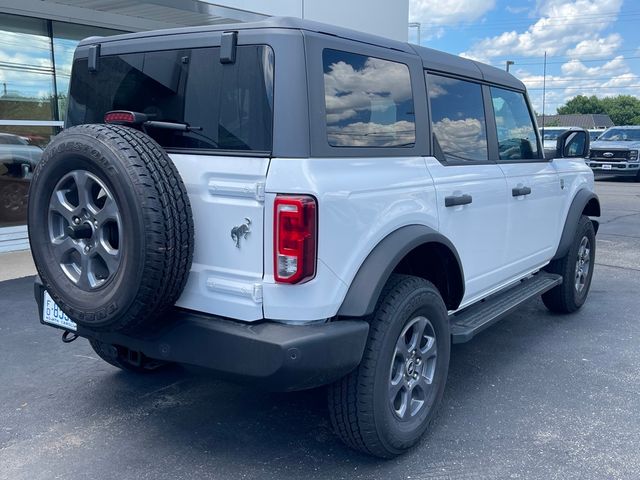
[[455, 200], [520, 191]]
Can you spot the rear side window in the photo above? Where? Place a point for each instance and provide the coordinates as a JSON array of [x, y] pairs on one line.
[[517, 138], [230, 105], [368, 100], [458, 119]]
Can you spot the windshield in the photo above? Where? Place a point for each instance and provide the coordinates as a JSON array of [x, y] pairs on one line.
[[594, 134], [230, 106], [621, 135], [552, 134]]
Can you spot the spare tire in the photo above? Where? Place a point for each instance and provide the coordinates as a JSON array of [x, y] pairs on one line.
[[110, 227]]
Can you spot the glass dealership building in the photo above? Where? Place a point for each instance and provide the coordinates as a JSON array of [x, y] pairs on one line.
[[37, 41], [35, 68]]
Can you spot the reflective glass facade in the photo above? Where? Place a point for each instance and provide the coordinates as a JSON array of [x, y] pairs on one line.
[[35, 67]]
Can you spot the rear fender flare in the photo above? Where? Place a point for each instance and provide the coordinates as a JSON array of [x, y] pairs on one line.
[[376, 269]]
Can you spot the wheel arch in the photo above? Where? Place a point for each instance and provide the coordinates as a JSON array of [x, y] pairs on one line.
[[585, 202], [403, 251]]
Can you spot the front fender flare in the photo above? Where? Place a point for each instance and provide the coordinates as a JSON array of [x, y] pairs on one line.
[[578, 205], [376, 269]]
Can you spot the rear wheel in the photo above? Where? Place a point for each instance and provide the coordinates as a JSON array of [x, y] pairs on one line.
[[576, 269], [387, 403]]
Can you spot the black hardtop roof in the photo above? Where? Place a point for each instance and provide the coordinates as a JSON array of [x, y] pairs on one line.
[[432, 59]]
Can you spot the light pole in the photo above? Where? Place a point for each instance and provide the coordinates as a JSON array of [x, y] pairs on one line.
[[509, 63], [417, 26]]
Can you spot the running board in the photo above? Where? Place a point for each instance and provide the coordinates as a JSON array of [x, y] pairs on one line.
[[472, 320]]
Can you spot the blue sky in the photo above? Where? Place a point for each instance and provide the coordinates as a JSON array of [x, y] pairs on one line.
[[593, 46]]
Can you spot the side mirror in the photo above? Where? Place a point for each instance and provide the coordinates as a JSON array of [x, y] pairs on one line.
[[574, 143]]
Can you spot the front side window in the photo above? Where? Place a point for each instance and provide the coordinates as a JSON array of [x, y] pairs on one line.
[[458, 119], [517, 138], [368, 101], [230, 106]]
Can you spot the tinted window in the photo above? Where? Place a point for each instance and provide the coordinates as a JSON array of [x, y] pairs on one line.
[[231, 105], [516, 133], [458, 120], [368, 101]]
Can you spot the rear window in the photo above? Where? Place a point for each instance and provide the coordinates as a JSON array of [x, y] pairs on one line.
[[368, 101], [231, 105]]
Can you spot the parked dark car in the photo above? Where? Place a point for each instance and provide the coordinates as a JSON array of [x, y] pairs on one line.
[[18, 157]]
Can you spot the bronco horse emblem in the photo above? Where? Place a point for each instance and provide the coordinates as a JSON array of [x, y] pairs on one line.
[[241, 231]]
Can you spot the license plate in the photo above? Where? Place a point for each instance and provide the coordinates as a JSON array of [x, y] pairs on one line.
[[606, 167], [52, 314]]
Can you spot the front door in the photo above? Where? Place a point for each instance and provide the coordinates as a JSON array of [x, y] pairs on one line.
[[533, 185]]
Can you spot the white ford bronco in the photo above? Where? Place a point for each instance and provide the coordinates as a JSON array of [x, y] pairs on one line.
[[298, 205]]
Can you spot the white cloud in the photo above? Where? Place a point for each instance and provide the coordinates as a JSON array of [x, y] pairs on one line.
[[377, 86], [576, 78], [562, 25], [462, 139], [366, 134], [452, 12], [599, 47]]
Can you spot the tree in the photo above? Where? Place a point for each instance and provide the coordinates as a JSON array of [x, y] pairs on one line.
[[623, 109], [582, 104]]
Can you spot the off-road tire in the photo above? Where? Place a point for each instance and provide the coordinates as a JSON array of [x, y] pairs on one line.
[[359, 407], [118, 357], [157, 226], [565, 298]]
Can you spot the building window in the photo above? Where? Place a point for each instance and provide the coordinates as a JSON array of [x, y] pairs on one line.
[[35, 66], [26, 69], [368, 101]]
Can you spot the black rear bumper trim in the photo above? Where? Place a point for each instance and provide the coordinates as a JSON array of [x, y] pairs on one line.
[[272, 355]]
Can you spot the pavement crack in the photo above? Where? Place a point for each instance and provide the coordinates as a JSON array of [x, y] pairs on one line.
[[619, 217], [618, 266]]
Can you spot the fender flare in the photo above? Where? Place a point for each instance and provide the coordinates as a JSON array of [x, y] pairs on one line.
[[376, 269], [580, 201]]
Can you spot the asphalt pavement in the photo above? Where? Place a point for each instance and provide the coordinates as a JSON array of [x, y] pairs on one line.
[[536, 396]]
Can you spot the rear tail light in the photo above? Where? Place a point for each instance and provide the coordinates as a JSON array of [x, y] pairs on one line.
[[295, 238]]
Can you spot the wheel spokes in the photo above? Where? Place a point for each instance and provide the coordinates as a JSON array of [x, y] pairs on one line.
[[85, 229], [413, 368]]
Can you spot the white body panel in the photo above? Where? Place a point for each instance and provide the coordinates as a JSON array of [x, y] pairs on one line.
[[477, 230], [225, 280], [499, 238], [360, 201], [534, 220]]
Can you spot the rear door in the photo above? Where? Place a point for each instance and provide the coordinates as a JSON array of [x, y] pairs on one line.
[[223, 156], [471, 188]]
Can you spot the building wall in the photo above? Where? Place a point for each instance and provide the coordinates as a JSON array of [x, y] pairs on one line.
[[389, 18]]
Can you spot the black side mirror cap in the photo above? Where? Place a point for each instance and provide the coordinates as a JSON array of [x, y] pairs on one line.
[[574, 143]]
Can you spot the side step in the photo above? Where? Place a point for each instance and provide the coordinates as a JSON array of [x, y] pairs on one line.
[[475, 318]]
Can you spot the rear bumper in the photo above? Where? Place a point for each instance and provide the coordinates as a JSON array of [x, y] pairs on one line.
[[272, 355]]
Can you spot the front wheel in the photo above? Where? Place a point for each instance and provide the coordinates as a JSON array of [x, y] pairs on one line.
[[387, 403], [576, 269]]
